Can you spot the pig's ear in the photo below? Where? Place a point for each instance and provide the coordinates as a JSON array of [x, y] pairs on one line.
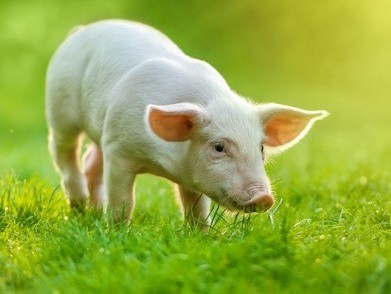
[[176, 122], [284, 125]]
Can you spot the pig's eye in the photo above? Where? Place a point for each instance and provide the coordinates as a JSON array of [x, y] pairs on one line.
[[219, 147], [262, 152]]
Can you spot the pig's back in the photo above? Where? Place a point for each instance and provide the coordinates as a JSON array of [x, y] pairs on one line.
[[104, 51], [88, 64], [117, 46]]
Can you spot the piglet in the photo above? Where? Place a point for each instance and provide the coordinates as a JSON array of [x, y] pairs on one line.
[[149, 108]]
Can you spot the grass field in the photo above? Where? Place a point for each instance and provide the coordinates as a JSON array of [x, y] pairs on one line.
[[332, 231]]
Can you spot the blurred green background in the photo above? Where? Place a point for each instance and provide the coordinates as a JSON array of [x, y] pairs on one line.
[[333, 55]]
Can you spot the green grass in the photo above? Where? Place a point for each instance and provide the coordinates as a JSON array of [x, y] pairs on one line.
[[332, 231], [320, 241]]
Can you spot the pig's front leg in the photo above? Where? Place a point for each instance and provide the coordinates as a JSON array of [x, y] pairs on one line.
[[196, 207], [119, 178]]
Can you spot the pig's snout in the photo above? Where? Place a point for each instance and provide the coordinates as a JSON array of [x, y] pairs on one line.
[[259, 203]]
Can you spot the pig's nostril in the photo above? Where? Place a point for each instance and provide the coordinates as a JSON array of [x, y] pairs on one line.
[[260, 204]]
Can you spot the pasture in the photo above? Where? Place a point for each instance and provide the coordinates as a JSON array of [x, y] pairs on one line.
[[331, 232]]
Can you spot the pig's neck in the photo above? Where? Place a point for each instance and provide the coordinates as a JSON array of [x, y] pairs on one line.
[[169, 162]]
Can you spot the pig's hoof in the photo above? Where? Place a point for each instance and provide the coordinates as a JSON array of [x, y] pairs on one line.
[[259, 204], [78, 205]]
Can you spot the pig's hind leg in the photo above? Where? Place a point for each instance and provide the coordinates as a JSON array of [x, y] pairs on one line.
[[65, 149], [196, 207], [93, 170]]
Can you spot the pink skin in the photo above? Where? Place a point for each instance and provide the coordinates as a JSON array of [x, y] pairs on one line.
[[233, 177], [246, 193], [260, 204], [260, 201], [155, 110], [93, 171]]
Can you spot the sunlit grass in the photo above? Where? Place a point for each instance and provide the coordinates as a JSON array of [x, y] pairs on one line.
[[314, 242]]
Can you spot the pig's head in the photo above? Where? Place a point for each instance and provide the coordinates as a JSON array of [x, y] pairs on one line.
[[224, 146]]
